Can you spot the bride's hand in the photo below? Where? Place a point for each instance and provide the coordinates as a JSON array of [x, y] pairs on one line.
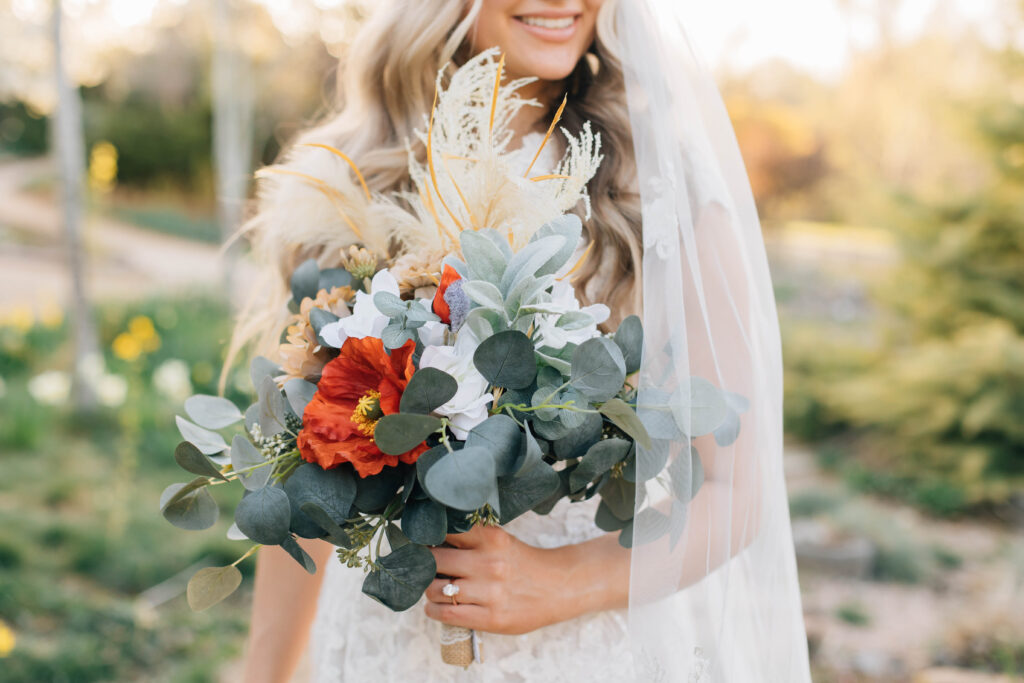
[[507, 586]]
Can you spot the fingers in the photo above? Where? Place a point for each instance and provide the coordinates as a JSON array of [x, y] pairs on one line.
[[479, 536], [466, 616], [470, 592], [458, 562]]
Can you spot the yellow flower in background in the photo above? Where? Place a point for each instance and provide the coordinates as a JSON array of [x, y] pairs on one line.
[[103, 167], [51, 315], [126, 347], [7, 639], [20, 318], [142, 329]]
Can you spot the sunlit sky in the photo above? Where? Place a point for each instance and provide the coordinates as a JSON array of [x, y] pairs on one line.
[[814, 34]]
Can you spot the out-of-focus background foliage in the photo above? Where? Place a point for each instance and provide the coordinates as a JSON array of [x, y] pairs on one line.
[[891, 186]]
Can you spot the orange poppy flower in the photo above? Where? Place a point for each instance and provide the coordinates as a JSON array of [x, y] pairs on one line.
[[356, 389], [440, 306]]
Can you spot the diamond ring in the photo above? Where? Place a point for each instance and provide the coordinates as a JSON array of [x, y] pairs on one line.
[[451, 590]]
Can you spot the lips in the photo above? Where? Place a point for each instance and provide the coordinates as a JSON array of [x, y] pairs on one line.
[[550, 28], [549, 23]]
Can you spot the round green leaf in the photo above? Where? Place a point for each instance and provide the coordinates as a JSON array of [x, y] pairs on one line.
[[208, 443], [428, 390], [305, 281], [212, 412], [630, 340], [623, 417], [425, 522], [193, 511], [211, 585], [507, 360], [600, 458], [502, 438], [526, 490], [299, 393], [373, 493], [463, 480], [245, 455], [598, 369], [402, 577], [333, 491], [400, 433], [264, 515], [331, 278]]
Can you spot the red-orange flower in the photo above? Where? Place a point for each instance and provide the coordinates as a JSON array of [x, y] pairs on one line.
[[356, 389], [440, 306]]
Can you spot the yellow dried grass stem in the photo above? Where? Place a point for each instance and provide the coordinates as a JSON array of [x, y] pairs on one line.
[[348, 160], [430, 162], [494, 98], [579, 263], [553, 176], [547, 136]]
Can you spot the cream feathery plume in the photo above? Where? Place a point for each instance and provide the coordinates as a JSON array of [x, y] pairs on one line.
[[469, 180]]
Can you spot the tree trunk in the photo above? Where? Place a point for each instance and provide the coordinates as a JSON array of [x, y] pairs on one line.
[[68, 139], [233, 104]]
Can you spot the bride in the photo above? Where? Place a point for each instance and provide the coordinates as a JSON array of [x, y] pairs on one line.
[[674, 238]]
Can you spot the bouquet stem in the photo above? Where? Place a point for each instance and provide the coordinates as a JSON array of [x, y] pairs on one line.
[[459, 646]]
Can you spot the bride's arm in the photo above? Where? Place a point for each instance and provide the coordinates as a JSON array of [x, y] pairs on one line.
[[283, 606]]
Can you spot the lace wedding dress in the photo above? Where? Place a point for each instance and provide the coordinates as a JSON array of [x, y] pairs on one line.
[[357, 639]]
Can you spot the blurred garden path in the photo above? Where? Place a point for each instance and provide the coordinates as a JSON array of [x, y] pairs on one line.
[[124, 261]]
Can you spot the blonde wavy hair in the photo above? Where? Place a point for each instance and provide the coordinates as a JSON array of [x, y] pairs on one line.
[[386, 85]]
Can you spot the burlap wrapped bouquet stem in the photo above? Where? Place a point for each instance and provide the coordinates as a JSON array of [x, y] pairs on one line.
[[457, 645]]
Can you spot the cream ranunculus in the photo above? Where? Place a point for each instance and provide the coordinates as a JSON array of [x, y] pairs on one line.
[[468, 407]]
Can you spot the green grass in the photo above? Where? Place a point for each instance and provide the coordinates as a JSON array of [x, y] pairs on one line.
[[171, 220], [81, 537], [853, 613]]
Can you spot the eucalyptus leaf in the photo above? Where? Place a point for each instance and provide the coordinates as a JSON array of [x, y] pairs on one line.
[[175, 492], [703, 412], [552, 430], [210, 585], [630, 340], [620, 497], [428, 390], [190, 459], [577, 441], [396, 537], [212, 412], [245, 455], [526, 490], [264, 515], [606, 520], [540, 399], [687, 475], [500, 436], [208, 443], [299, 393], [426, 461], [400, 433], [598, 369], [649, 525], [375, 492], [402, 577], [193, 511], [332, 278], [464, 480], [273, 408], [333, 490], [262, 367], [305, 281], [425, 522], [318, 319], [292, 547], [727, 432], [507, 360], [530, 453], [623, 417], [599, 458]]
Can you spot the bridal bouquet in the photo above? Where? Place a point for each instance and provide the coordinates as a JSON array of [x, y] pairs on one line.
[[457, 382]]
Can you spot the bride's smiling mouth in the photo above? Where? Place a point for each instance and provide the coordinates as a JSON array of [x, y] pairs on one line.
[[548, 27]]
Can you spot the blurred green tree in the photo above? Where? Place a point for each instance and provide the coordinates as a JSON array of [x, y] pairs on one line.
[[946, 406]]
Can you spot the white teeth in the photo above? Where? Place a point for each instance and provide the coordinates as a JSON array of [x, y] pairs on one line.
[[541, 22]]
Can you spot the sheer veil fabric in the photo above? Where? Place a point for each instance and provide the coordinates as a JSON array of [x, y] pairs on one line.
[[714, 593]]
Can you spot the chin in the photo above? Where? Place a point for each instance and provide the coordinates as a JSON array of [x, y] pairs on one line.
[[556, 68]]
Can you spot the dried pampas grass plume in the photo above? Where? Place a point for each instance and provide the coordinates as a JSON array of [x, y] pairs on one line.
[[469, 179]]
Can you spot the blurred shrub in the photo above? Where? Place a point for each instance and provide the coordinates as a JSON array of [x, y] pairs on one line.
[[158, 146], [21, 130]]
